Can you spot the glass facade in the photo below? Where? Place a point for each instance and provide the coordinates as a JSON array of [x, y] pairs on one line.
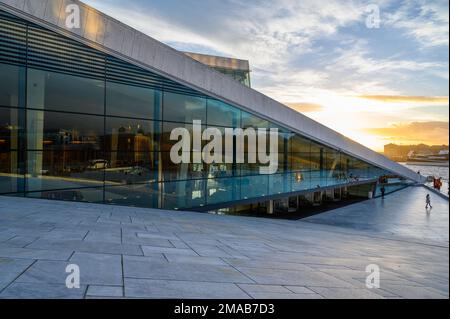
[[76, 124]]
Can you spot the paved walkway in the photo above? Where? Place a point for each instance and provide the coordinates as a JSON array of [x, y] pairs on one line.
[[141, 253]]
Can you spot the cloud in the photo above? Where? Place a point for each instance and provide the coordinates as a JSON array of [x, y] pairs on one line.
[[440, 100], [429, 25], [305, 107], [433, 132]]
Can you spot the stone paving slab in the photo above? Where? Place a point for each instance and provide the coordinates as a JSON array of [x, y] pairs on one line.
[[104, 291], [94, 270], [141, 267], [165, 289], [345, 293], [38, 254], [19, 290], [127, 252], [10, 269]]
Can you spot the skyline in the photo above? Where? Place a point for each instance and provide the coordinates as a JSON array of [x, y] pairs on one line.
[[375, 85]]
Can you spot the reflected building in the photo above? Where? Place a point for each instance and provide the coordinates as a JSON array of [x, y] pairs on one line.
[[89, 118]]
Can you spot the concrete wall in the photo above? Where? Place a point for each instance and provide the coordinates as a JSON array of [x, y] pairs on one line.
[[117, 39]]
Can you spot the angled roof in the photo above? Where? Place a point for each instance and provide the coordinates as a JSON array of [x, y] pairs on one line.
[[115, 38]]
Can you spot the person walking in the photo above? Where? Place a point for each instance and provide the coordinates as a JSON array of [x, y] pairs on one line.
[[428, 200], [383, 191]]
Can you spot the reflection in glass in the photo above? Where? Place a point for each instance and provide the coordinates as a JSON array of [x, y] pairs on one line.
[[250, 120], [130, 168], [184, 194], [139, 195], [64, 169], [222, 190], [9, 84], [181, 171], [222, 114], [61, 131], [89, 195], [301, 181], [132, 101], [184, 108], [129, 135], [10, 179], [10, 128], [254, 186], [56, 91]]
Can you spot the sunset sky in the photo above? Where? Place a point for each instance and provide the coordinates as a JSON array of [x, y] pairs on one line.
[[375, 85]]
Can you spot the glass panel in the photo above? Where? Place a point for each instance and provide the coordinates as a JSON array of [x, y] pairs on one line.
[[300, 161], [62, 92], [10, 128], [9, 88], [254, 186], [64, 169], [139, 195], [249, 120], [279, 183], [89, 195], [129, 135], [181, 171], [10, 179], [184, 194], [130, 168], [184, 108], [332, 167], [318, 179], [166, 143], [299, 145], [132, 101], [317, 161], [222, 114], [60, 131], [223, 190], [301, 181], [220, 170]]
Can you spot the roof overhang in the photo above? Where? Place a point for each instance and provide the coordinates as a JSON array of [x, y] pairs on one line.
[[115, 38]]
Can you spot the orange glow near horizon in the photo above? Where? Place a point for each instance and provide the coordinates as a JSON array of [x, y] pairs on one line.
[[375, 121]]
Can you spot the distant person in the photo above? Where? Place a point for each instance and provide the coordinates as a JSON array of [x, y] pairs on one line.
[[418, 172], [428, 200], [383, 191], [439, 184]]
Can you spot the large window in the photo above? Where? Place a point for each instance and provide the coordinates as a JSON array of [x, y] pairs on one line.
[[62, 92], [132, 101], [184, 108], [10, 84], [130, 168], [250, 120], [51, 170], [222, 114], [130, 135], [11, 120], [61, 131], [10, 179]]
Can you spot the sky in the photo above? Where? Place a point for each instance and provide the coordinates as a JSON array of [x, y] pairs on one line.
[[376, 71]]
